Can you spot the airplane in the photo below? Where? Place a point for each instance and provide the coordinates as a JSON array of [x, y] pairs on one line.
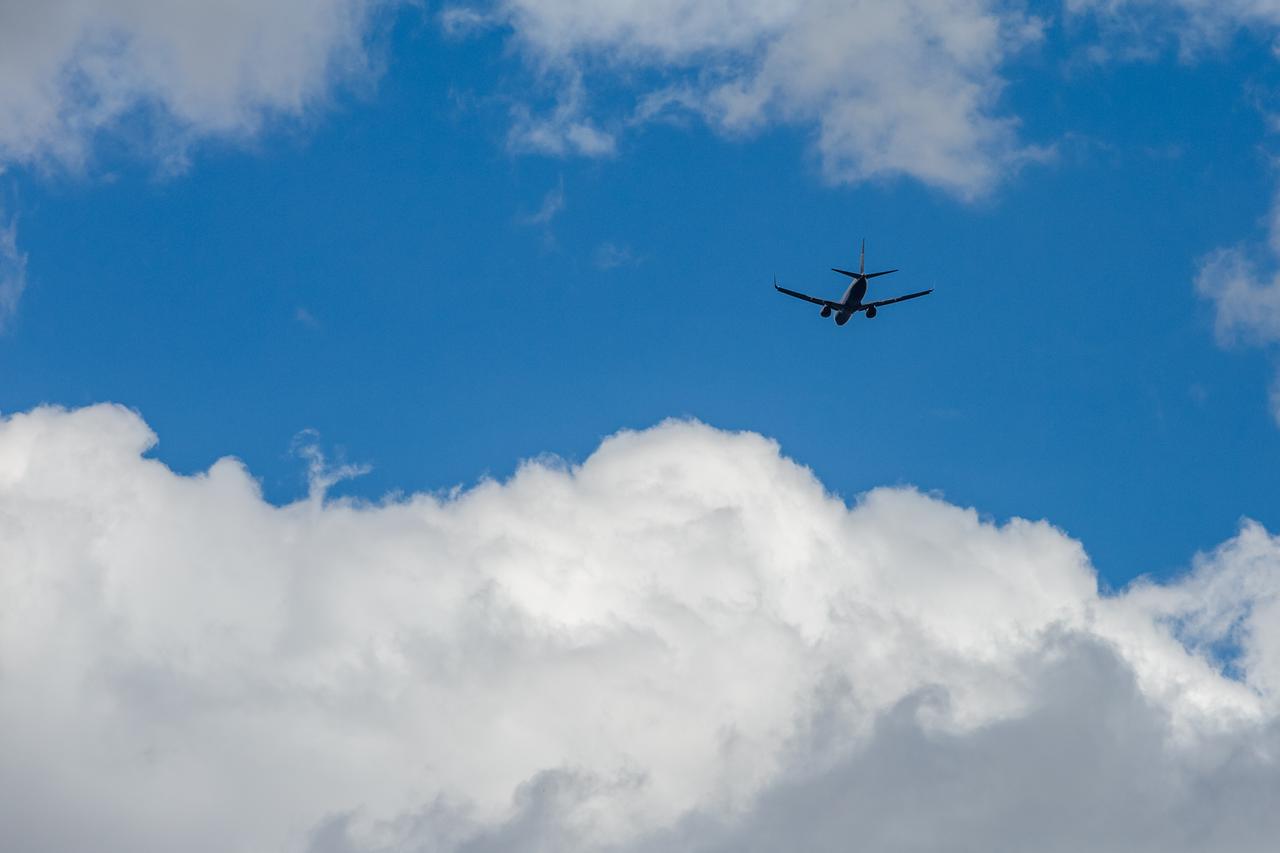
[[851, 303]]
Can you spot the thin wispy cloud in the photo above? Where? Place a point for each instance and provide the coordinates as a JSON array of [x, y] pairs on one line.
[[1141, 29], [564, 129], [304, 317], [551, 206], [13, 271], [544, 217], [462, 21], [610, 256]]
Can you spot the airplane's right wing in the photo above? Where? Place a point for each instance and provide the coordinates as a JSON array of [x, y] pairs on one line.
[[883, 302], [806, 297]]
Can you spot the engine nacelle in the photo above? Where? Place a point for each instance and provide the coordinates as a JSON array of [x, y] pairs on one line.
[[871, 313], [826, 310]]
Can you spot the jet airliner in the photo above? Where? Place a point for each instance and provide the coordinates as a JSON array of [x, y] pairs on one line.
[[851, 303]]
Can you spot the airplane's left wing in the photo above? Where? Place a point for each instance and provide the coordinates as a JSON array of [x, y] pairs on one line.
[[884, 302], [806, 297]]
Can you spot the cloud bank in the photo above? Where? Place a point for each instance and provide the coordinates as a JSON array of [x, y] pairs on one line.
[[684, 642], [71, 69], [889, 89]]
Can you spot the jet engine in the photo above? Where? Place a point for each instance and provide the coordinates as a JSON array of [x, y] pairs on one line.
[[871, 313], [826, 310]]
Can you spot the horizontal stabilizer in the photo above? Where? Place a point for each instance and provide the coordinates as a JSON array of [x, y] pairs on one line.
[[861, 275]]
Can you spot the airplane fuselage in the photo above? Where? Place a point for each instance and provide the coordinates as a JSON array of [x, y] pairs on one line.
[[851, 300]]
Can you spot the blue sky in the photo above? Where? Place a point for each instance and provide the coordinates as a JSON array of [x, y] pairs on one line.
[[643, 555], [374, 273]]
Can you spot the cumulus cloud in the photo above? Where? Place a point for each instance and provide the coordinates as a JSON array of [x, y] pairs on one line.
[[1243, 283], [70, 69], [889, 89], [684, 642]]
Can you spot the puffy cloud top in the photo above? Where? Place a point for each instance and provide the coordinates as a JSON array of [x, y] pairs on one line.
[[683, 643]]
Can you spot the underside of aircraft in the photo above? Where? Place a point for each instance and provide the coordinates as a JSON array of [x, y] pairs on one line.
[[851, 303]]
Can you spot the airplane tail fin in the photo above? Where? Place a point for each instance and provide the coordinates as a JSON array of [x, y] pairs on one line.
[[862, 266]]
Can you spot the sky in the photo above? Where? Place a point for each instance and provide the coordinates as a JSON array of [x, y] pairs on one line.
[[402, 446]]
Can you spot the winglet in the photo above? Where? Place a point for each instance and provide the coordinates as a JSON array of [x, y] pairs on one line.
[[862, 259]]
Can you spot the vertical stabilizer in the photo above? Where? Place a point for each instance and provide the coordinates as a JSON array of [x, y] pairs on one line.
[[862, 259]]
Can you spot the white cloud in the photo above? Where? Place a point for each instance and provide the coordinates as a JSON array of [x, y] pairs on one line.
[[890, 89], [1138, 28], [1242, 282], [1275, 399], [461, 21], [305, 318], [70, 69], [552, 205], [563, 130], [13, 272], [609, 256], [158, 75], [1245, 291], [683, 643]]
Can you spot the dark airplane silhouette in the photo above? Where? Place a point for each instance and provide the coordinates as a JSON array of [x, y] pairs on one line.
[[851, 303]]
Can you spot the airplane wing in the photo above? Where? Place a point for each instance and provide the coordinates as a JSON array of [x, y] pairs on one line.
[[806, 297], [884, 302]]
